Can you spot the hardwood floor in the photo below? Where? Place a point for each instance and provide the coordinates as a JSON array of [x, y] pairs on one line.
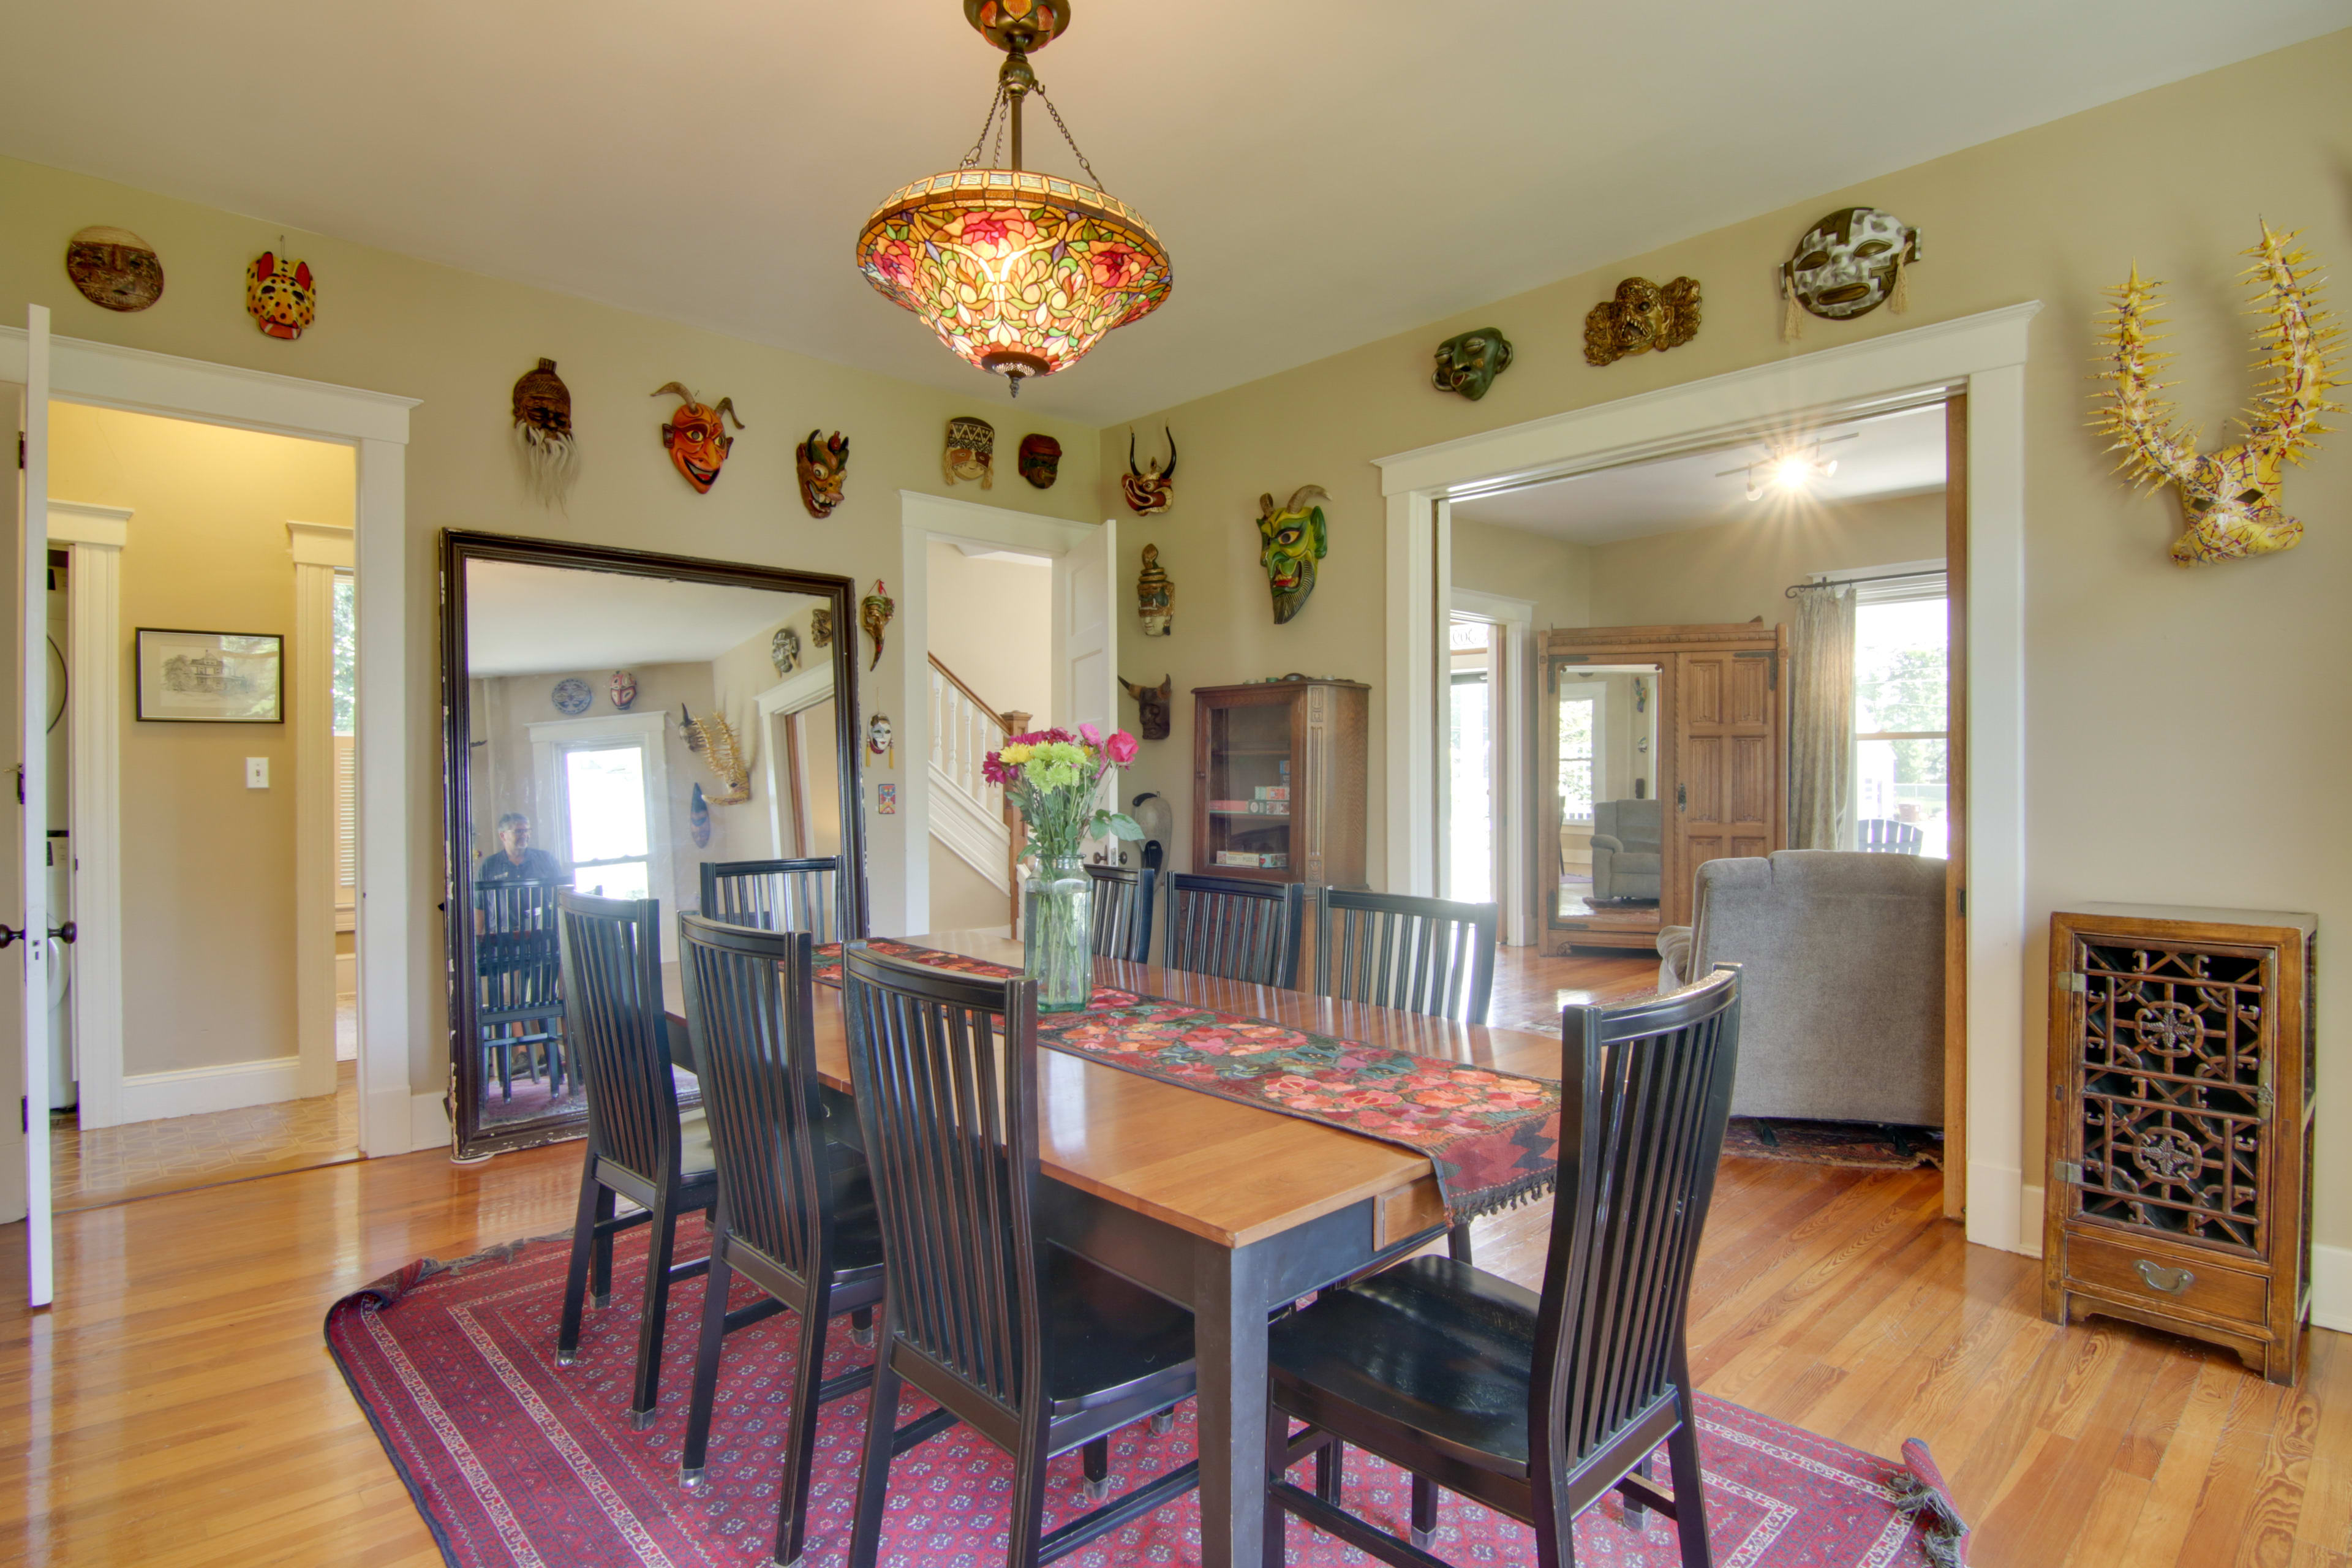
[[178, 1407]]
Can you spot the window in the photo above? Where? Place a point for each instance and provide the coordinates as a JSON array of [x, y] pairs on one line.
[[1470, 743], [345, 684], [1580, 735], [1901, 648], [605, 828]]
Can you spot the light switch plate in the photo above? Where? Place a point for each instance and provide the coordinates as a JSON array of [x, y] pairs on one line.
[[257, 772]]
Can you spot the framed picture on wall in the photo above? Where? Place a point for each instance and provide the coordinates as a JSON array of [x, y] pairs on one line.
[[211, 678]]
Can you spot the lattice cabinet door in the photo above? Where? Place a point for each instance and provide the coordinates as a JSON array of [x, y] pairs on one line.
[[2180, 1125]]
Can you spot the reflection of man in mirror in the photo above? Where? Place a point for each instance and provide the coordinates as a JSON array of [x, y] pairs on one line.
[[515, 860]]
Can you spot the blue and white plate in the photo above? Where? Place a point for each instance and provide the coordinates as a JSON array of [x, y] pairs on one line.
[[572, 697]]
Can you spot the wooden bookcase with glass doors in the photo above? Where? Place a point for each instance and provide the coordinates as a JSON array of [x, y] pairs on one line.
[[1680, 732], [1278, 772]]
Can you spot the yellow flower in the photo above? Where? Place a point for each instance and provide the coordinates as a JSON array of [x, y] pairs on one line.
[[1013, 756]]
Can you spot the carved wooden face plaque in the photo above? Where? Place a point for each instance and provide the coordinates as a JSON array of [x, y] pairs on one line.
[[115, 268], [280, 295], [1846, 264]]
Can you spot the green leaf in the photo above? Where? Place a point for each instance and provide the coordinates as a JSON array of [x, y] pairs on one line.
[[1123, 827]]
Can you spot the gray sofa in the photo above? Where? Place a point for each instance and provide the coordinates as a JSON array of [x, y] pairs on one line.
[[1842, 981], [1627, 845]]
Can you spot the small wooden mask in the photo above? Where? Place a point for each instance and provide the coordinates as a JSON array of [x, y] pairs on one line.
[[1151, 487], [1295, 538], [970, 451], [1155, 595], [823, 465], [1849, 264], [1041, 460], [1469, 362], [115, 268], [696, 436], [820, 625], [1153, 705], [542, 433], [1640, 317], [874, 613], [279, 295]]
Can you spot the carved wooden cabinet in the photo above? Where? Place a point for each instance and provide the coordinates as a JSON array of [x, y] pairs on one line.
[[2180, 1125], [1278, 772]]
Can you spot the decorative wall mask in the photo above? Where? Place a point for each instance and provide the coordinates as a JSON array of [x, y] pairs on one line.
[[874, 613], [1848, 265], [571, 697], [280, 295], [970, 451], [823, 465], [880, 741], [1151, 487], [1468, 363], [821, 626], [1153, 702], [1640, 317], [624, 688], [1155, 595], [784, 650], [1295, 538], [2231, 498], [542, 433], [697, 817], [1041, 460], [697, 436], [114, 268], [713, 739]]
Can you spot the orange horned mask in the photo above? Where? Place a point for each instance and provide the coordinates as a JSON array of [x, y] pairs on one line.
[[696, 436]]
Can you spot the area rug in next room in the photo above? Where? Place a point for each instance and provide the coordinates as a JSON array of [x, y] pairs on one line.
[[512, 1461]]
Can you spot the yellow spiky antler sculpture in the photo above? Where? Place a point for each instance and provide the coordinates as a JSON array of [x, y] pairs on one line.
[[2230, 496], [713, 739]]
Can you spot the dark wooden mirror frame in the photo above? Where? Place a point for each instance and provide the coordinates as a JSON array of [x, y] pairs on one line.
[[466, 1086]]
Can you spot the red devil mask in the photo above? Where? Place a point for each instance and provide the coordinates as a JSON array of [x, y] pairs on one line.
[[696, 436]]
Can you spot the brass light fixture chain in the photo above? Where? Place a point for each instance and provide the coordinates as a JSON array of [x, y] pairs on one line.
[[1094, 179], [971, 159]]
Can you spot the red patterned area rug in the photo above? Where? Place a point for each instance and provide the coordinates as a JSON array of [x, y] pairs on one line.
[[512, 1461]]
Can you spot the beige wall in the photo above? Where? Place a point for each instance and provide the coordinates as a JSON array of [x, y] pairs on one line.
[[2157, 700], [992, 623], [961, 899], [208, 864], [458, 340], [1739, 570], [1553, 575]]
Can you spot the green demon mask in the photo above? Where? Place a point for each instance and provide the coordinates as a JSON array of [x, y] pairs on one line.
[[1296, 540], [1468, 363]]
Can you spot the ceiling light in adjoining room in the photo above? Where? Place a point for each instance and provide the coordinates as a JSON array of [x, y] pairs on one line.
[[1789, 470], [1018, 273]]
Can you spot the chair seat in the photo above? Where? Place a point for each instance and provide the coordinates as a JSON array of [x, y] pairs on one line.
[[693, 1157], [1433, 1345], [1636, 863], [1109, 1337]]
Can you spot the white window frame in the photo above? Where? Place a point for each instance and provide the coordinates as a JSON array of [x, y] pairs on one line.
[[1903, 583], [649, 732]]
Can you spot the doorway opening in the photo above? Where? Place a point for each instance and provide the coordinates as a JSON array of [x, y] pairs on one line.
[[990, 625], [1474, 760]]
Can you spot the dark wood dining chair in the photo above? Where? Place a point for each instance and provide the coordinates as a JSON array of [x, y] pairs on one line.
[[518, 1000], [1123, 896], [778, 895], [1538, 1405], [1036, 1349], [1234, 929], [796, 1212], [1418, 955], [639, 1146]]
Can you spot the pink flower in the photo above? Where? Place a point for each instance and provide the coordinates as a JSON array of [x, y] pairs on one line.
[[1119, 748], [1089, 734]]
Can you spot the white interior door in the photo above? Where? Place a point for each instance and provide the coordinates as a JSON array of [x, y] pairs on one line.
[[31, 652]]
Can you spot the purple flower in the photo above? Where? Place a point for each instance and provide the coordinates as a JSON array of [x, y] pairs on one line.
[[1120, 747]]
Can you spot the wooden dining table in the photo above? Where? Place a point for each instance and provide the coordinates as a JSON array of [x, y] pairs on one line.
[[1228, 1208]]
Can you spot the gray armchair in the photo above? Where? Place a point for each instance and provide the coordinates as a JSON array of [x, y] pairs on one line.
[[1841, 985], [1627, 842]]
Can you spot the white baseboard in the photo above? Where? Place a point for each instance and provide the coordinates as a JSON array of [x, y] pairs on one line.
[[193, 1091], [2331, 1287], [428, 1122], [2003, 1213]]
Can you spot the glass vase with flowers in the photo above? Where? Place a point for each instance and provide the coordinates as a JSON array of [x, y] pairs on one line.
[[1054, 778]]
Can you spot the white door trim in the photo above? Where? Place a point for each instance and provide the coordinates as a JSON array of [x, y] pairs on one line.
[[923, 518], [320, 549], [94, 537], [1984, 354], [393, 1120], [1514, 760], [803, 689]]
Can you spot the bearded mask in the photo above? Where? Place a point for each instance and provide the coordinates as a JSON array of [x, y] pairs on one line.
[[542, 433], [279, 295], [1295, 540], [1041, 460], [823, 465], [696, 436], [1850, 263], [971, 452], [1151, 487], [1469, 362], [114, 268]]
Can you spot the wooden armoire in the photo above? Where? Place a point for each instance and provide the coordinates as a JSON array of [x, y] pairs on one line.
[[1717, 764]]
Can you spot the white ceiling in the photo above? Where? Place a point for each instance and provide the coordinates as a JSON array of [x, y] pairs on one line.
[[1897, 454], [527, 620], [1325, 171]]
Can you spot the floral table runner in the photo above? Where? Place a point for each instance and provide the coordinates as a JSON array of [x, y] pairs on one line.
[[1492, 1137]]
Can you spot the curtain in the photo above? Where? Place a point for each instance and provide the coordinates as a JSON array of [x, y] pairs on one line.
[[1820, 729]]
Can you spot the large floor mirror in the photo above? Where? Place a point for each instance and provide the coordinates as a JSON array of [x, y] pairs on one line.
[[618, 721]]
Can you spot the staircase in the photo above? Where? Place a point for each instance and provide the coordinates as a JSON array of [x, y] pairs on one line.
[[968, 813]]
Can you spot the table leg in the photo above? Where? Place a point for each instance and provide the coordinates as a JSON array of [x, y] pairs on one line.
[[1229, 1309]]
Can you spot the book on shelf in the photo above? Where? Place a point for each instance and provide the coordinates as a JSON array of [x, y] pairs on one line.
[[1273, 792], [1251, 808]]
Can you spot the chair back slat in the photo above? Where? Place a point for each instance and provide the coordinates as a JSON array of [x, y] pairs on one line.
[[1233, 928], [750, 1014], [620, 1033], [777, 895], [944, 1069], [1886, 836], [1645, 1095], [1418, 956], [1123, 911]]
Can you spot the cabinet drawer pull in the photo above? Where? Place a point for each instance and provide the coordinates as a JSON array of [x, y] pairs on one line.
[[2171, 1281]]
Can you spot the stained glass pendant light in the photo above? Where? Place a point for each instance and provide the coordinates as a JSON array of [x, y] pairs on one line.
[[1018, 273]]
